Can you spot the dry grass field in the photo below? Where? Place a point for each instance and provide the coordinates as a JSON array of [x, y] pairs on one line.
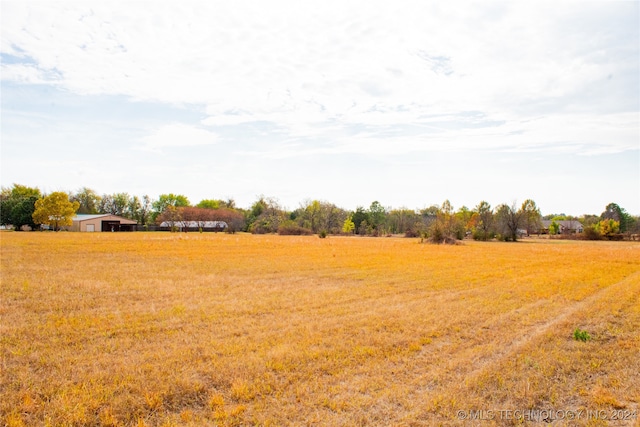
[[159, 329]]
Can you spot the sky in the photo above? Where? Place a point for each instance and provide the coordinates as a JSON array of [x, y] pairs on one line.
[[407, 103]]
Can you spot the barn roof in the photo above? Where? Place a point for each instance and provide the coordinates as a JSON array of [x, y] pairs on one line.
[[84, 217], [88, 217]]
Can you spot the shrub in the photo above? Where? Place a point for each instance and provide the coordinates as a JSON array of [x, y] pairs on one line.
[[580, 335], [436, 235], [482, 235], [289, 228], [591, 233], [411, 233], [322, 234]]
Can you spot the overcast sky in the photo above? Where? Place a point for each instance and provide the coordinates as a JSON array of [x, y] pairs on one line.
[[407, 103]]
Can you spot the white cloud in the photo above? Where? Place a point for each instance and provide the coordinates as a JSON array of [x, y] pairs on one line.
[[177, 135], [347, 77], [273, 59]]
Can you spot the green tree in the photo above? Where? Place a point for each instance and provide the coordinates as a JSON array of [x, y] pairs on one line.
[[589, 220], [377, 217], [210, 204], [531, 217], [615, 212], [89, 201], [554, 228], [319, 216], [175, 200], [312, 212], [485, 221], [358, 217], [269, 216], [139, 209], [17, 205], [55, 210], [115, 204]]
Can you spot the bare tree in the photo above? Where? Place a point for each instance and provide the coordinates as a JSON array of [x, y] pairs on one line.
[[171, 215], [509, 221]]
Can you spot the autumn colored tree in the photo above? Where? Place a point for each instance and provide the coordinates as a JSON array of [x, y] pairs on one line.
[[172, 216], [466, 219], [266, 215], [446, 228], [55, 210], [615, 212], [608, 227], [234, 218], [348, 226], [164, 200]]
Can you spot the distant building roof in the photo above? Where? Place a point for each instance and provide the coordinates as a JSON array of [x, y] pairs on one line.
[[570, 224], [196, 224], [84, 217], [88, 217]]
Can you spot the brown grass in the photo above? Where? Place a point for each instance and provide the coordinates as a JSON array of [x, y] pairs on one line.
[[159, 329]]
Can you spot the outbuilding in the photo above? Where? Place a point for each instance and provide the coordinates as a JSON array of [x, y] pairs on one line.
[[103, 222]]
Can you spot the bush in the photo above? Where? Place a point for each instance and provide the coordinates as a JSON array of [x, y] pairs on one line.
[[580, 335], [437, 235], [411, 233], [590, 233], [290, 228], [482, 235], [322, 234]]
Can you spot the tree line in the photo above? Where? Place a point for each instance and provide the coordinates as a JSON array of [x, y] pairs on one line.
[[25, 207]]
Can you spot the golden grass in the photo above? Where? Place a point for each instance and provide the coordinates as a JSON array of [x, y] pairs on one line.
[[147, 329]]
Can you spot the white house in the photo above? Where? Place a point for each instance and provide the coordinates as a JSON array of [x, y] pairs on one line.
[[566, 226]]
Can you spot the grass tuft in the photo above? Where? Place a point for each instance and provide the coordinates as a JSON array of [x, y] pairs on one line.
[[580, 335]]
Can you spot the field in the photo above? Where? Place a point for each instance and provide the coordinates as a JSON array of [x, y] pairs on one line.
[[159, 329]]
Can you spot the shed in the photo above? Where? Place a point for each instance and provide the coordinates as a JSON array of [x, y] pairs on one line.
[[102, 222]]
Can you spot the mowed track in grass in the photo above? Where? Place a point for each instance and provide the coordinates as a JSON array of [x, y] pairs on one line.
[[217, 329]]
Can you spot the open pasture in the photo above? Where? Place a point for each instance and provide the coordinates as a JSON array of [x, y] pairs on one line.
[[155, 329]]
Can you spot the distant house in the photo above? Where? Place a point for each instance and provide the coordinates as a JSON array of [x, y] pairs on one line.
[[568, 226], [102, 222], [194, 225]]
